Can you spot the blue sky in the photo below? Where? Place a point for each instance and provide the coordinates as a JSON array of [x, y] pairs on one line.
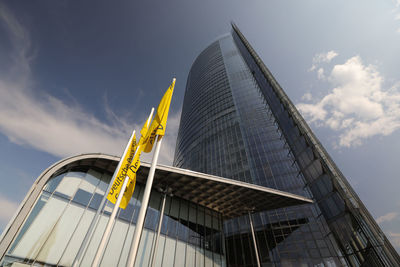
[[78, 76]]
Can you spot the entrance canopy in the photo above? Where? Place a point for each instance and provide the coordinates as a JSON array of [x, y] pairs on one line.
[[230, 197]]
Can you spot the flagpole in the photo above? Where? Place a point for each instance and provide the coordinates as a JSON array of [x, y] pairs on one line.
[[143, 208], [107, 232], [110, 223], [153, 257], [95, 219]]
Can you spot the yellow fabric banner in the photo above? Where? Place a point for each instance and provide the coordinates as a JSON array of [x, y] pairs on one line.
[[133, 169], [128, 193], [132, 181], [134, 166], [159, 123], [144, 131], [122, 172], [144, 136]]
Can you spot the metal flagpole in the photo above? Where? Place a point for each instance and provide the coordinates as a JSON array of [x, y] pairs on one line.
[[107, 232], [95, 219], [254, 240], [153, 258], [110, 223], [143, 208]]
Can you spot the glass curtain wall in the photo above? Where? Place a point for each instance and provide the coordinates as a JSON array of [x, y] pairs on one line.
[[228, 129], [273, 165], [358, 236], [51, 235]]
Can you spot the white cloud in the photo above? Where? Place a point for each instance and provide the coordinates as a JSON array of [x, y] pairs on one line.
[[394, 239], [323, 58], [307, 96], [320, 73], [48, 124], [7, 210], [358, 106], [387, 217], [41, 121], [396, 12]]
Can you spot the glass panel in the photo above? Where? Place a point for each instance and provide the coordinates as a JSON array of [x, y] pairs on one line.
[[53, 183], [194, 237], [32, 216], [208, 258], [127, 246], [169, 252], [155, 199], [190, 255], [160, 251], [174, 212], [114, 246], [146, 243], [152, 215], [38, 232], [199, 256], [77, 238], [108, 208], [69, 184], [60, 235], [101, 188], [201, 231], [173, 218], [183, 230], [90, 181], [95, 241], [82, 197], [217, 259], [180, 254], [95, 202]]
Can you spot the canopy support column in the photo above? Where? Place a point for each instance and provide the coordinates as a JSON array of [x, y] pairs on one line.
[[254, 239], [153, 258]]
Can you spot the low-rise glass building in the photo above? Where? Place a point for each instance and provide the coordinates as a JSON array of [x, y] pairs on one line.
[[51, 223]]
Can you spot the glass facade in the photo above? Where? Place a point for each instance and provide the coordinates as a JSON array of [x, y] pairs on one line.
[[191, 235], [235, 124]]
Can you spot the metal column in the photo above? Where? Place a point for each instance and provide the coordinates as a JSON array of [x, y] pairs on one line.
[[153, 258], [254, 240]]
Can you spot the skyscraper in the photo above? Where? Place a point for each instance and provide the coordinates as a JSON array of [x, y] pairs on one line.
[[238, 123]]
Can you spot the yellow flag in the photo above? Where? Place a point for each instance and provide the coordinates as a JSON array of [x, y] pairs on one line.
[[131, 172], [132, 181], [135, 164], [144, 135], [144, 130], [122, 172], [159, 123], [128, 193]]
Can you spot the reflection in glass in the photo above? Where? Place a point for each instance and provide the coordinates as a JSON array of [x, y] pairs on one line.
[[57, 224]]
